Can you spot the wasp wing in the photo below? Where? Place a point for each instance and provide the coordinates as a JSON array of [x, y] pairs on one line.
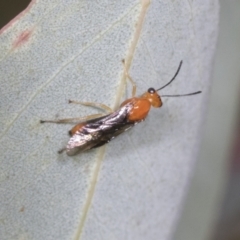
[[99, 131]]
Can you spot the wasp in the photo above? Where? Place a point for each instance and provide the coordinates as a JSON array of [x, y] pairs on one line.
[[96, 130]]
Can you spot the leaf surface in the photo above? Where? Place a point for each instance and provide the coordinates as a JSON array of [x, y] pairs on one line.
[[60, 50]]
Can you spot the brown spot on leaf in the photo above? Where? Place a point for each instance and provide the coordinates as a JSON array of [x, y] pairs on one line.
[[22, 38], [22, 209]]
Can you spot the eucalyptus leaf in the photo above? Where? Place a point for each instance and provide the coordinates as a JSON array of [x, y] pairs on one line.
[[132, 188]]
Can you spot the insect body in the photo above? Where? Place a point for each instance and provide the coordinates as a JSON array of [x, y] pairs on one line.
[[95, 130]]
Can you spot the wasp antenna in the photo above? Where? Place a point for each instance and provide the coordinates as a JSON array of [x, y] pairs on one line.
[[182, 95], [179, 67]]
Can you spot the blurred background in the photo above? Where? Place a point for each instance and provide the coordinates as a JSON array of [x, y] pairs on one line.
[[228, 224], [11, 8], [213, 205]]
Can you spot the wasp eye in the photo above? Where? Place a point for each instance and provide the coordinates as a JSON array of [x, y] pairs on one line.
[[151, 90]]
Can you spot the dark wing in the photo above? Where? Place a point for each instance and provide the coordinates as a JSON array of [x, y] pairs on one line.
[[111, 133], [99, 131]]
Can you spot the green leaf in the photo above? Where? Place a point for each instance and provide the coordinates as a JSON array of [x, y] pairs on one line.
[[60, 50]]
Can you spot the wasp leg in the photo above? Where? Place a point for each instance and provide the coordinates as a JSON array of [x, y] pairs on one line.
[[71, 120], [61, 150], [134, 86], [94, 104]]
